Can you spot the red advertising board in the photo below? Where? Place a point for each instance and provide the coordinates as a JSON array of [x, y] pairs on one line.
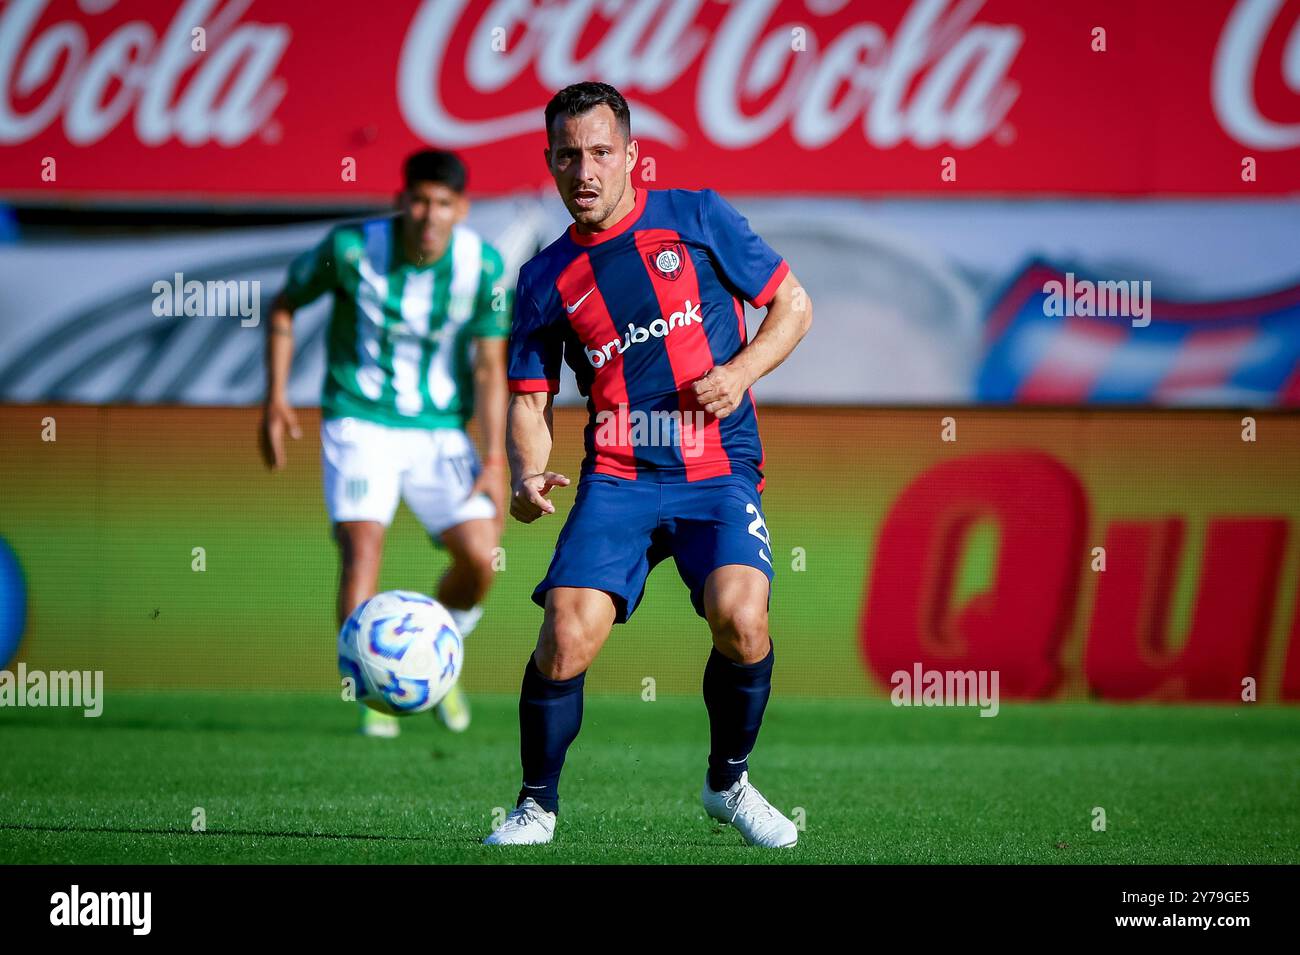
[[1093, 554], [268, 100]]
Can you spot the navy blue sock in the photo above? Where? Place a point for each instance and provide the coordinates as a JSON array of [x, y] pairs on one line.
[[550, 714], [735, 695]]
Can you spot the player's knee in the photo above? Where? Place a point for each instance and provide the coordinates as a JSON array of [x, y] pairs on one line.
[[359, 548], [741, 629], [563, 649], [472, 572], [479, 573]]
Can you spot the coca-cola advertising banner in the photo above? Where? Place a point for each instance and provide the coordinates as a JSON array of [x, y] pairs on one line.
[[291, 102]]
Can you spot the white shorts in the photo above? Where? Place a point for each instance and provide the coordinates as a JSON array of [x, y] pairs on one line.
[[369, 466]]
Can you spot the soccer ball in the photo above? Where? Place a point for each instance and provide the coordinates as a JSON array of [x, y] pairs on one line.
[[402, 652]]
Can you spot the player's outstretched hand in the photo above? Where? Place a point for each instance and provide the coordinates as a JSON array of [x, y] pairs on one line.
[[277, 418], [720, 390], [529, 502]]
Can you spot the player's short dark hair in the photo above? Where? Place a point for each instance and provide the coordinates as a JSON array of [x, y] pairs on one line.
[[580, 98], [435, 165]]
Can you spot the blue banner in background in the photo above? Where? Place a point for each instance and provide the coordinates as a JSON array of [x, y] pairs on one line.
[[13, 604], [1060, 336]]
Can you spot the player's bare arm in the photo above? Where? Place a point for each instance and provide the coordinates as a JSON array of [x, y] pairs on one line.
[[528, 446], [278, 417], [490, 398], [789, 317]]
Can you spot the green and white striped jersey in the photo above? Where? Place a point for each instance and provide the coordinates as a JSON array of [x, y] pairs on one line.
[[398, 347]]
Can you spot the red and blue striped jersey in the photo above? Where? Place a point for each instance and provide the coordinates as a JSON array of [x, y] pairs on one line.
[[640, 312]]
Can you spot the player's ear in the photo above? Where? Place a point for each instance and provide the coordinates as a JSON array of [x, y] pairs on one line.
[[547, 154], [633, 148], [462, 206]]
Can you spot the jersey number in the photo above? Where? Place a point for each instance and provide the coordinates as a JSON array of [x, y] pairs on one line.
[[758, 528]]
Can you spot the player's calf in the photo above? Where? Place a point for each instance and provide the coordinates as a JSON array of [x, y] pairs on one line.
[[361, 551], [461, 591], [361, 548], [463, 587], [577, 622], [738, 675]]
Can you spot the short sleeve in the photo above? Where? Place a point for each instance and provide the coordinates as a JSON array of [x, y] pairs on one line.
[[312, 274], [495, 300], [749, 263], [536, 346]]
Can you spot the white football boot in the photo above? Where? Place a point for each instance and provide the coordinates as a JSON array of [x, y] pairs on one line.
[[453, 710], [760, 823], [527, 825], [379, 725]]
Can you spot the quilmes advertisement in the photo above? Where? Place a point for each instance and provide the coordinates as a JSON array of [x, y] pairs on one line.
[[1065, 554]]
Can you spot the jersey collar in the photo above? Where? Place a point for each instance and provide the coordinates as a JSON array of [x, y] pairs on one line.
[[629, 220]]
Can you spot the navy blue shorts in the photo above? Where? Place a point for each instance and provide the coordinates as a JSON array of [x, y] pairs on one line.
[[619, 530]]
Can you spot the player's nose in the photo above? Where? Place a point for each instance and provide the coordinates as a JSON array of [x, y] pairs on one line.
[[584, 176]]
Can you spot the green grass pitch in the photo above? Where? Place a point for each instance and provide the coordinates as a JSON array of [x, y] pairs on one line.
[[286, 779]]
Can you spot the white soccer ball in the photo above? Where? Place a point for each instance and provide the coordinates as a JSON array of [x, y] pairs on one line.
[[402, 652]]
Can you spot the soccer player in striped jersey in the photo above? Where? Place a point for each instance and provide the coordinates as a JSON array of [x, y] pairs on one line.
[[642, 297], [416, 346]]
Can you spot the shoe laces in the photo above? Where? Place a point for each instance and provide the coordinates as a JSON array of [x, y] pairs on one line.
[[747, 798], [526, 815]]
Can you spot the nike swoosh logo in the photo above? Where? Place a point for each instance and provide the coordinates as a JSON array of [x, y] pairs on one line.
[[574, 307], [737, 762], [526, 786]]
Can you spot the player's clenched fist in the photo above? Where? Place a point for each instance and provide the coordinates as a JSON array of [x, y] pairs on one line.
[[529, 502], [720, 390]]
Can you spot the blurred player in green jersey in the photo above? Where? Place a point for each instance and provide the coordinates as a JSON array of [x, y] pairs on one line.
[[415, 347]]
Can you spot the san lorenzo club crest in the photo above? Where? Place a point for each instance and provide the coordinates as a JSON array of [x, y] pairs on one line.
[[667, 260]]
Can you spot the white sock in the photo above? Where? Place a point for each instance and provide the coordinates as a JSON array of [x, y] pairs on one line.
[[465, 620]]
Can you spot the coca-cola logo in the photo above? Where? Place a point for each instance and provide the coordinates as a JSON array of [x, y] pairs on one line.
[[742, 92], [1237, 74], [218, 85], [941, 77]]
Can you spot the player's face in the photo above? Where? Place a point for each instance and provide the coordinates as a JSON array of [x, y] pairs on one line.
[[429, 210], [591, 163]]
